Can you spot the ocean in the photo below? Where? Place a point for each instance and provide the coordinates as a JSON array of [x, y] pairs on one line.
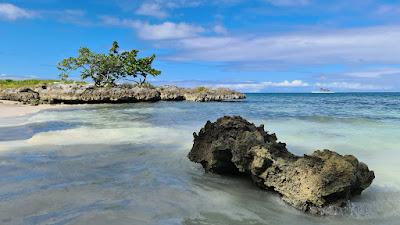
[[127, 163]]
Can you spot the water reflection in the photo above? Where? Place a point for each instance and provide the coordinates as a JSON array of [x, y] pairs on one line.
[[27, 131]]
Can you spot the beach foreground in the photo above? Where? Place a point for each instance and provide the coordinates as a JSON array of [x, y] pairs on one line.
[[127, 163]]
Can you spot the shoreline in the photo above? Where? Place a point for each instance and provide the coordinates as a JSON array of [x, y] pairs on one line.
[[13, 109], [86, 94]]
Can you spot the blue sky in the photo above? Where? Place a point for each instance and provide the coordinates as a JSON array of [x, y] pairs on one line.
[[252, 46]]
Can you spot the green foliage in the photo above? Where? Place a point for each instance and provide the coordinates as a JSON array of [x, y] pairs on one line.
[[27, 83], [200, 89], [106, 69]]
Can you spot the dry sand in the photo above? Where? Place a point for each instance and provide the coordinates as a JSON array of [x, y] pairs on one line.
[[10, 109]]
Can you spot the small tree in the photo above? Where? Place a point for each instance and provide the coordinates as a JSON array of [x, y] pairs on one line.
[[106, 69]]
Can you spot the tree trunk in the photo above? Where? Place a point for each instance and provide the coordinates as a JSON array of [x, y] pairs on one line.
[[144, 80]]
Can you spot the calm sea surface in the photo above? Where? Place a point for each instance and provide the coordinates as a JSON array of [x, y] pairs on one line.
[[126, 164]]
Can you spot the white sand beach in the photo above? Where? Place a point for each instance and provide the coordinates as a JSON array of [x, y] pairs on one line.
[[10, 109]]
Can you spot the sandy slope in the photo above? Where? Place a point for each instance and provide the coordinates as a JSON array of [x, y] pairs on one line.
[[13, 109]]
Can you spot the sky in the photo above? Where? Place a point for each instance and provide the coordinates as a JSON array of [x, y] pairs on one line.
[[250, 46]]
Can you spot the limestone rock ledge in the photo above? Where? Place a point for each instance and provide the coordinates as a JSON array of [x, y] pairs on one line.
[[78, 94], [173, 93], [319, 183]]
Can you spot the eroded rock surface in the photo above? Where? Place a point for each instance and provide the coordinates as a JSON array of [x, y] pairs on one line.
[[75, 93], [310, 183], [173, 93], [78, 93], [24, 95]]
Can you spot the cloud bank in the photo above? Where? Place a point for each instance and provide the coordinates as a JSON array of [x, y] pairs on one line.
[[151, 9], [12, 12], [155, 32], [348, 46]]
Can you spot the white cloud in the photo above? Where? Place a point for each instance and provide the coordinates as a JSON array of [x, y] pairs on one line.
[[387, 9], [294, 85], [160, 8], [220, 29], [358, 46], [373, 73], [72, 16], [288, 2], [151, 9], [162, 31], [352, 86], [12, 12], [166, 30], [16, 77], [244, 86], [258, 86], [114, 21], [181, 3]]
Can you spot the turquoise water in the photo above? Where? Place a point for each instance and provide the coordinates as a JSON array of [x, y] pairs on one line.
[[126, 164]]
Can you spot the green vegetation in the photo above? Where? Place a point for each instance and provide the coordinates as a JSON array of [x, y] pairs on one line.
[[28, 83], [201, 89], [106, 69]]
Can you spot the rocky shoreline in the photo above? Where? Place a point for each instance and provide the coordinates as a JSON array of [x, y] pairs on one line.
[[321, 183], [88, 94]]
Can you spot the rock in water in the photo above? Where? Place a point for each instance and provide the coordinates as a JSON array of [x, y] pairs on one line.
[[310, 183], [223, 146], [173, 93]]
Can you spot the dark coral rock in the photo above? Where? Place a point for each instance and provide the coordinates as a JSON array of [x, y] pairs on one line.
[[312, 183]]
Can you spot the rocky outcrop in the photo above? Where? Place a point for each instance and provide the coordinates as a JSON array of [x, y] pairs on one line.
[[207, 95], [74, 93], [77, 94], [24, 95], [173, 93], [312, 183]]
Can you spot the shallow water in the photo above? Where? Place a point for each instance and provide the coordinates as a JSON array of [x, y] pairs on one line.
[[126, 164]]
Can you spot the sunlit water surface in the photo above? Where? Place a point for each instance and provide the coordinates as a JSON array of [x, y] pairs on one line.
[[127, 164]]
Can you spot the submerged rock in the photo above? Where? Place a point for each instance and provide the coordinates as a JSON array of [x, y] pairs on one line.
[[78, 94], [310, 183]]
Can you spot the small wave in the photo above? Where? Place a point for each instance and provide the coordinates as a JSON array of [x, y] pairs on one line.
[[376, 202]]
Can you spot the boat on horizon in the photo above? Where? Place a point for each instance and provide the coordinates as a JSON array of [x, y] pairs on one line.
[[323, 91]]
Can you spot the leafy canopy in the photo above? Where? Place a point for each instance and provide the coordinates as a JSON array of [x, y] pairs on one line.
[[106, 69]]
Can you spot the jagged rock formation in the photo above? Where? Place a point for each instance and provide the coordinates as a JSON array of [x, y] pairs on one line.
[[173, 93], [71, 94], [24, 95], [310, 183], [77, 94]]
